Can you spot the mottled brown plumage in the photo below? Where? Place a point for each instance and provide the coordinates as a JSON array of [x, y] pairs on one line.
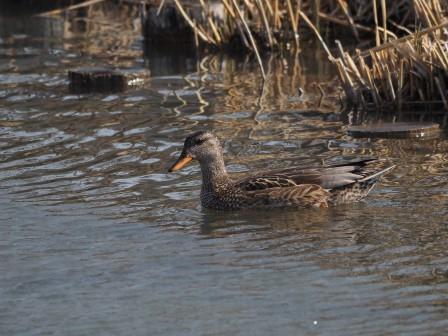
[[291, 187]]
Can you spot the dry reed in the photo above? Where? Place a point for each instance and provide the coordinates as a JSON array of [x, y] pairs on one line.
[[402, 74], [398, 73], [275, 24]]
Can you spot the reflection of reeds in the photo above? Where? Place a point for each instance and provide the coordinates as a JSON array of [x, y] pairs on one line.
[[287, 88], [95, 29]]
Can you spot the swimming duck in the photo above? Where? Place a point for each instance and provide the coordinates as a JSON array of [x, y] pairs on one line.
[[290, 187]]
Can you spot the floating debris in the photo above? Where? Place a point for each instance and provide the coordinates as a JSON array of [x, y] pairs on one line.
[[398, 130], [96, 79]]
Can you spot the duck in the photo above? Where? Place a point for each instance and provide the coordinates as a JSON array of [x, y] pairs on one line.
[[297, 187]]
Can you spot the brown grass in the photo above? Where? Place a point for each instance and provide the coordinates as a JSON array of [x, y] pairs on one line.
[[406, 73], [407, 68]]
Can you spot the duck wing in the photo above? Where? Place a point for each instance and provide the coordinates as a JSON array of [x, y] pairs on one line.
[[304, 195], [328, 177]]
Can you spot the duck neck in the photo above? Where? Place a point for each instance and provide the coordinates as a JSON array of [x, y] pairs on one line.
[[214, 174]]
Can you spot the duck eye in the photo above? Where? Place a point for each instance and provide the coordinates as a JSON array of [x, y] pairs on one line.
[[199, 141]]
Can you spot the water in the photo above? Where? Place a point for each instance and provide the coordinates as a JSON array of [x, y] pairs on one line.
[[97, 239]]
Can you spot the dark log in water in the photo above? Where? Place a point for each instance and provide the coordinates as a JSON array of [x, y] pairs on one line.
[[398, 130], [84, 80]]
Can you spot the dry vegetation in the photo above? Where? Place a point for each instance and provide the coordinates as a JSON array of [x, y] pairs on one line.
[[409, 73], [406, 69]]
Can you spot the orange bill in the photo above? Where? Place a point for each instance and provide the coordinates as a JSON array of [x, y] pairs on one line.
[[181, 162]]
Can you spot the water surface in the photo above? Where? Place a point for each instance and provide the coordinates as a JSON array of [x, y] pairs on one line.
[[96, 238]]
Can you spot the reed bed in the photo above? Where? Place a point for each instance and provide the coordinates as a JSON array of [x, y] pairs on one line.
[[386, 19], [407, 68], [275, 24], [410, 73]]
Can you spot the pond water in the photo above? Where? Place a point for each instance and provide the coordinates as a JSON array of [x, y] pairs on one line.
[[96, 238]]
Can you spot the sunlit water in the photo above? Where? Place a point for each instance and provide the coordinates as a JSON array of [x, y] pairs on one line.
[[96, 238]]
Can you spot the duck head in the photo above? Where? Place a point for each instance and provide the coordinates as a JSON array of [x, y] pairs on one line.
[[203, 146]]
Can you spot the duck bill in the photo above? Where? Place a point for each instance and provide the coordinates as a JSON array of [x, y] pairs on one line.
[[181, 162]]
